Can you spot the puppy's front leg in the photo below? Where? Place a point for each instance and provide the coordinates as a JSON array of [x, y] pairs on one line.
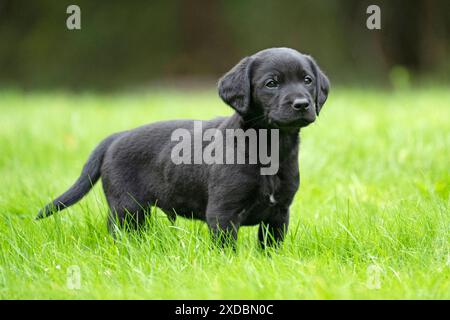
[[224, 228], [272, 231]]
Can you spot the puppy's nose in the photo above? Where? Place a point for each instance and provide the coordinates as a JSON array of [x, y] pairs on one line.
[[301, 104]]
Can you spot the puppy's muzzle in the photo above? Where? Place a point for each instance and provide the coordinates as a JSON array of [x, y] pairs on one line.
[[301, 104]]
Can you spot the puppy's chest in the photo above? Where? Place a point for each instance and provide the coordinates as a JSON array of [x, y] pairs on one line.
[[270, 195], [269, 190]]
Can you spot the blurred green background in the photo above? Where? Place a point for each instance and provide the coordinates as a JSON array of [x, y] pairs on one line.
[[125, 44]]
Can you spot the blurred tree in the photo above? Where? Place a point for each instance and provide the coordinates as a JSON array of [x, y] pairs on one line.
[[123, 43], [414, 33], [204, 38]]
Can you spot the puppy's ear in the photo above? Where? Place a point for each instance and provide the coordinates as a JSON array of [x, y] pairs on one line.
[[235, 88], [322, 86]]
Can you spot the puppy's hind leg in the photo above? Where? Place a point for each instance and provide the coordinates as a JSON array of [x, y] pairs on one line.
[[125, 214]]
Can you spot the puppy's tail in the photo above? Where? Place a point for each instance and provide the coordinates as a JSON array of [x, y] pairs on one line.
[[89, 176]]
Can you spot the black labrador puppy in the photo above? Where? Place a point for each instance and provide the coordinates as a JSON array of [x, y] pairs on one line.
[[275, 89]]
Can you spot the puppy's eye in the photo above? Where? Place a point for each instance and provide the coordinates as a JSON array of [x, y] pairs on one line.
[[308, 80], [271, 83]]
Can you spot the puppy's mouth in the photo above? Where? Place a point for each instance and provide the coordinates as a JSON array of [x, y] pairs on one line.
[[290, 123]]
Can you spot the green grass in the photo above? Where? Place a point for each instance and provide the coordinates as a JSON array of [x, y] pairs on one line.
[[371, 219]]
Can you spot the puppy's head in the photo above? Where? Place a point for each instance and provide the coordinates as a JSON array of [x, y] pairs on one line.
[[280, 87]]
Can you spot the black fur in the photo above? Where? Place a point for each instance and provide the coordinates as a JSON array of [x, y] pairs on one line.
[[137, 171]]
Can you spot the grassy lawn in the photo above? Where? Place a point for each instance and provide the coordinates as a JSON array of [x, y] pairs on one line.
[[371, 219]]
